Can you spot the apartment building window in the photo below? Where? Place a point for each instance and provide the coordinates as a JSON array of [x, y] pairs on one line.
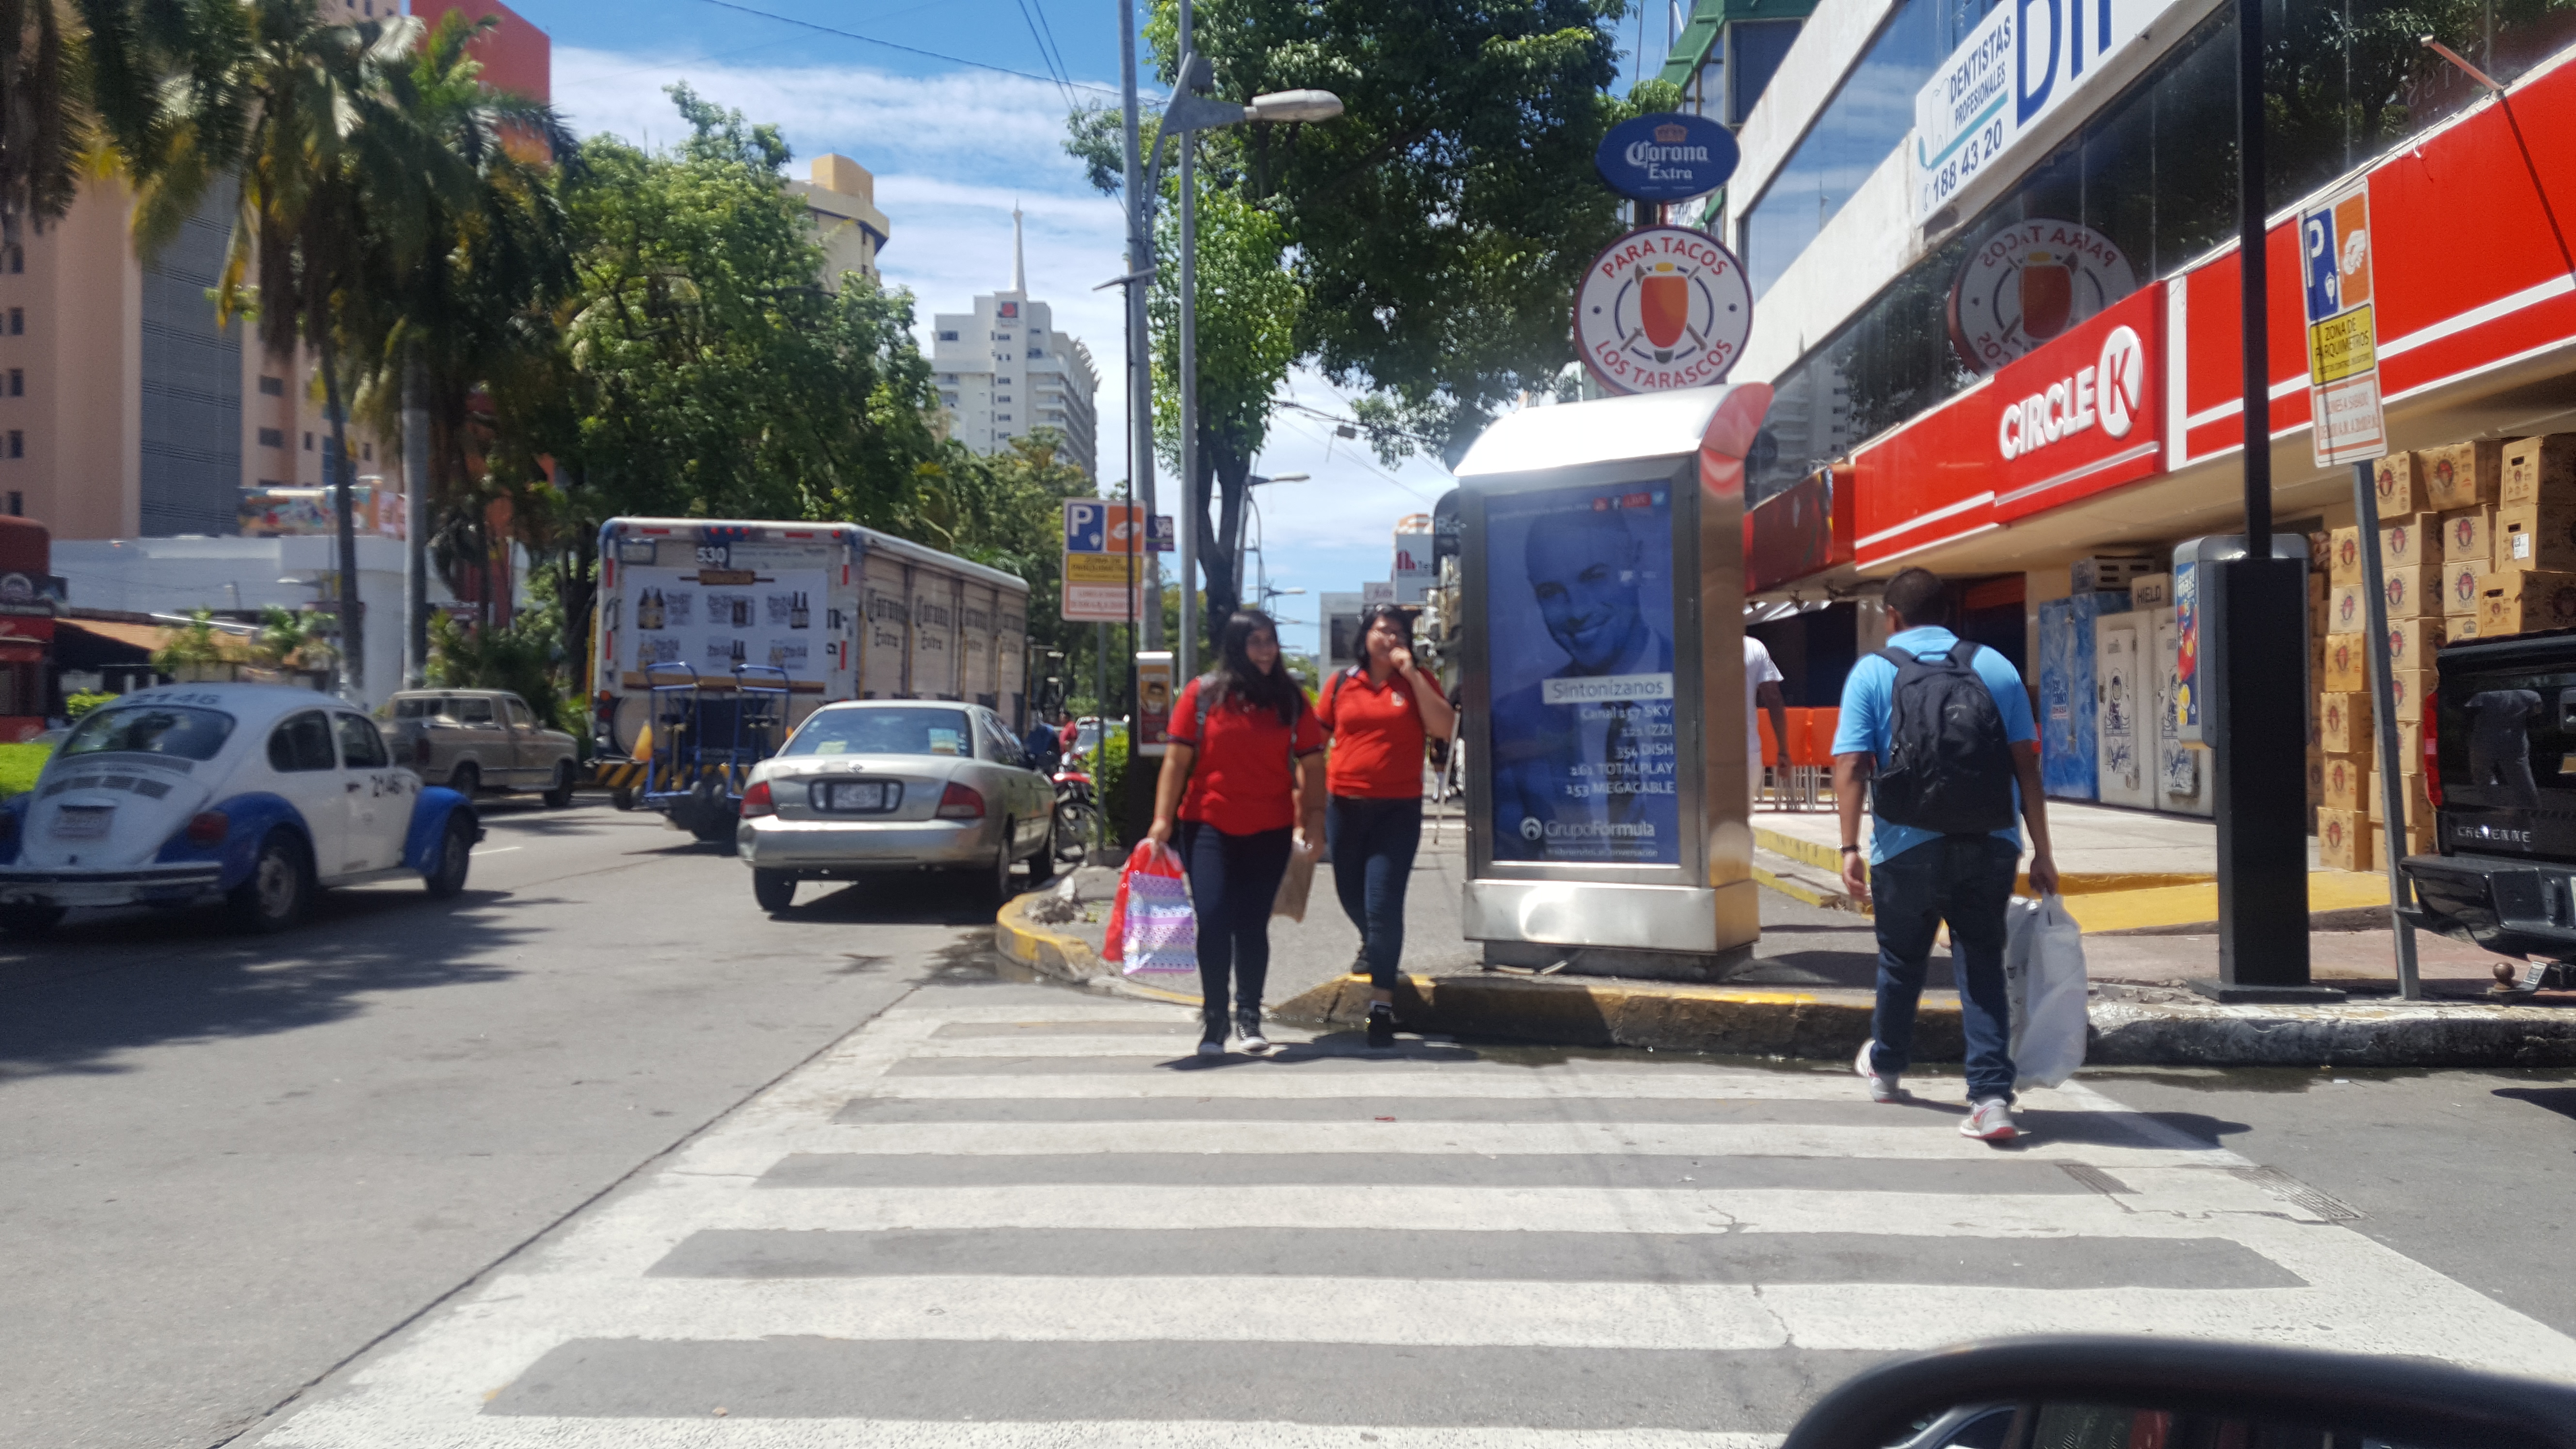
[[1001, 336], [17, 443], [947, 336], [17, 321], [272, 387], [948, 398], [366, 452], [17, 504], [272, 437], [17, 382], [1037, 352], [308, 442], [999, 417], [17, 263]]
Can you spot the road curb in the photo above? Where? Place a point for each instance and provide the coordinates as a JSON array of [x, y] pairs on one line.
[[1066, 957], [2130, 1027], [1596, 1012]]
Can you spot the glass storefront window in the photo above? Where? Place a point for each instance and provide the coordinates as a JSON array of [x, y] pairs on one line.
[[2155, 172], [1760, 46], [1859, 128]]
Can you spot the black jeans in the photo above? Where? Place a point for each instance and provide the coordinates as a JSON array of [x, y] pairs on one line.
[[1373, 842], [1965, 880], [1234, 879]]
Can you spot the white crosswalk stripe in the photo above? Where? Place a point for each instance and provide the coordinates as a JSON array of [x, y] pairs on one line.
[[1041, 1223]]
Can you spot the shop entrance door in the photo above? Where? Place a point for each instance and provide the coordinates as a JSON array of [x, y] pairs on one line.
[[2120, 700]]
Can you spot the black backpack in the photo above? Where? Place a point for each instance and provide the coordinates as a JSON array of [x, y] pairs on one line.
[[1949, 768]]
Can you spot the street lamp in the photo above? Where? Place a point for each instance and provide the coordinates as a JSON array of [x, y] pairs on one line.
[[1190, 111], [1249, 483]]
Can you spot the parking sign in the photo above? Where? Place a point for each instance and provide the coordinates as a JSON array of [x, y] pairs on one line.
[[2343, 333]]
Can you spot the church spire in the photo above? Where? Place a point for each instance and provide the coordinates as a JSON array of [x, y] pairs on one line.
[[1019, 254]]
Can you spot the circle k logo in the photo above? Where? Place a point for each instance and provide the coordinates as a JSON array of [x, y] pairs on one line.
[[2110, 395]]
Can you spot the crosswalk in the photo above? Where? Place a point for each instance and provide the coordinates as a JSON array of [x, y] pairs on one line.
[[1014, 1216]]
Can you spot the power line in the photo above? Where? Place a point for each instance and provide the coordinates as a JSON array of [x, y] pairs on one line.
[[1038, 8], [906, 49], [1055, 71]]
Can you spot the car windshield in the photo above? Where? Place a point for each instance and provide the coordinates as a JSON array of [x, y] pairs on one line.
[[152, 729], [896, 731], [419, 707]]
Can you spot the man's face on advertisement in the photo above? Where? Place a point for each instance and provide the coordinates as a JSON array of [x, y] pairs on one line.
[[1583, 571]]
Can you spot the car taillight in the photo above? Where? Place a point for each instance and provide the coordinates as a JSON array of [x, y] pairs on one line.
[[2432, 752], [958, 802], [208, 829], [758, 801]]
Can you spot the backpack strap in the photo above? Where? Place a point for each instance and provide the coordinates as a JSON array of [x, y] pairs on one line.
[[1961, 651]]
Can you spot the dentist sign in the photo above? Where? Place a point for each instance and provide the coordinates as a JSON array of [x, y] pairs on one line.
[[2022, 62]]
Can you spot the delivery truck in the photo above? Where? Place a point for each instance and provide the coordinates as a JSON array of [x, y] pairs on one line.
[[715, 638]]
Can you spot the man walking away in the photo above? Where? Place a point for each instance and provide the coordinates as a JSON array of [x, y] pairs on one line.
[[1041, 746], [1762, 687], [1939, 731]]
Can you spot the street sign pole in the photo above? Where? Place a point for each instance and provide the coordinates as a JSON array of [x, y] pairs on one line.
[[2350, 426]]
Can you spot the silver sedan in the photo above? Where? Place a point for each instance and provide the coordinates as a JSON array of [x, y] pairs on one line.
[[867, 787]]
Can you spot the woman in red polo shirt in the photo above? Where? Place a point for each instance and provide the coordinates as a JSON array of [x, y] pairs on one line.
[[1232, 797], [1380, 714]]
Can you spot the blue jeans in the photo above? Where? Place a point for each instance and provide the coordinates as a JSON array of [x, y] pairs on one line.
[[1373, 842], [1965, 880], [1234, 880]]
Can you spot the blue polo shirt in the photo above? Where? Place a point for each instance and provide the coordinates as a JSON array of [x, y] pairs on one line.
[[1863, 725]]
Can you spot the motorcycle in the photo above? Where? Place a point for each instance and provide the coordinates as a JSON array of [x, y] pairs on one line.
[[1077, 813]]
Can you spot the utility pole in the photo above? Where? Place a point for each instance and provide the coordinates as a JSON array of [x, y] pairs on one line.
[[1187, 648], [415, 427], [1140, 357], [2259, 648]]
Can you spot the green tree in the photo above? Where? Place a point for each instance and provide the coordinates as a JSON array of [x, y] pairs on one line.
[[716, 375], [1439, 225], [464, 260], [290, 108], [1249, 308]]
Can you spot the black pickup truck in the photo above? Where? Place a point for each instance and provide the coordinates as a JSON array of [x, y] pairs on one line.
[[2499, 742]]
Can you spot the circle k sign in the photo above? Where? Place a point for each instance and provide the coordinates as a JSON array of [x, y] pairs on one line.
[[1664, 307], [2110, 395]]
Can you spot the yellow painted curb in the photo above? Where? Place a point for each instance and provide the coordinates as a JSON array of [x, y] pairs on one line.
[[1068, 958], [1786, 886], [2191, 905], [1593, 1012]]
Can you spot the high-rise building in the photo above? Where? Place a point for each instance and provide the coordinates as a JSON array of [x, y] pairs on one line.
[[1004, 371], [841, 202], [125, 410]]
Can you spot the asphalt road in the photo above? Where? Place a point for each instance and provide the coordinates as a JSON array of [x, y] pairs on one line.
[[234, 1163], [241, 1168]]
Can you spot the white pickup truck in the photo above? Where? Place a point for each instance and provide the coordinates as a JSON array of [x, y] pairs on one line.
[[482, 739]]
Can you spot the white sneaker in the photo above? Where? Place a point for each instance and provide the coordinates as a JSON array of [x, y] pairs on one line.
[[1253, 1043], [1881, 1088], [1990, 1122]]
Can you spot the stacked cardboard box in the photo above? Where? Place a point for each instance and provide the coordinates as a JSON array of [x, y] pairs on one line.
[[2532, 582]]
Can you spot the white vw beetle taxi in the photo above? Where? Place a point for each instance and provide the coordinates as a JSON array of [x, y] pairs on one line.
[[252, 794]]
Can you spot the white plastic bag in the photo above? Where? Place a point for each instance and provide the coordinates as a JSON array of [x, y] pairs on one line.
[[2044, 977]]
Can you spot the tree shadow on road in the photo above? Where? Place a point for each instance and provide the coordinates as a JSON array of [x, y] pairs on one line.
[[118, 981]]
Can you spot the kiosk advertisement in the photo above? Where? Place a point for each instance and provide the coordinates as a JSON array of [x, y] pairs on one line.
[[1580, 608]]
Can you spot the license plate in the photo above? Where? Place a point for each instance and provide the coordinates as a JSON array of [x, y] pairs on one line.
[[83, 822], [861, 795]]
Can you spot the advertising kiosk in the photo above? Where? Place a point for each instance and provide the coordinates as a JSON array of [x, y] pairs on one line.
[[1602, 581]]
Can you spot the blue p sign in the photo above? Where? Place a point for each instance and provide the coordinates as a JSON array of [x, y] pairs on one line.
[[1086, 527]]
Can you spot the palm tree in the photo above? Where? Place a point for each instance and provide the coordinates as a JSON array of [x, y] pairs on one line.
[[466, 254], [267, 93], [42, 113]]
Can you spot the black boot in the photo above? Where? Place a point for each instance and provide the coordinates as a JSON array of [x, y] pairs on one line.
[[1212, 1032], [1381, 1026]]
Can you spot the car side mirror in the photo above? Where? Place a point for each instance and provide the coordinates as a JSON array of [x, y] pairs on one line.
[[2106, 1392]]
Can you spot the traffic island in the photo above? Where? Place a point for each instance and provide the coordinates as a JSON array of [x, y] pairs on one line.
[[2132, 1025]]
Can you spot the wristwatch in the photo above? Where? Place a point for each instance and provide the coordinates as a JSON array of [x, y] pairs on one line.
[[1851, 849]]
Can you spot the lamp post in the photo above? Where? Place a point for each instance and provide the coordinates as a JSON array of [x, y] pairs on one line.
[[1190, 111], [1250, 483]]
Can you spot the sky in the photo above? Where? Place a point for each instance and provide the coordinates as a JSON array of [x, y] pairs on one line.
[[956, 107]]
